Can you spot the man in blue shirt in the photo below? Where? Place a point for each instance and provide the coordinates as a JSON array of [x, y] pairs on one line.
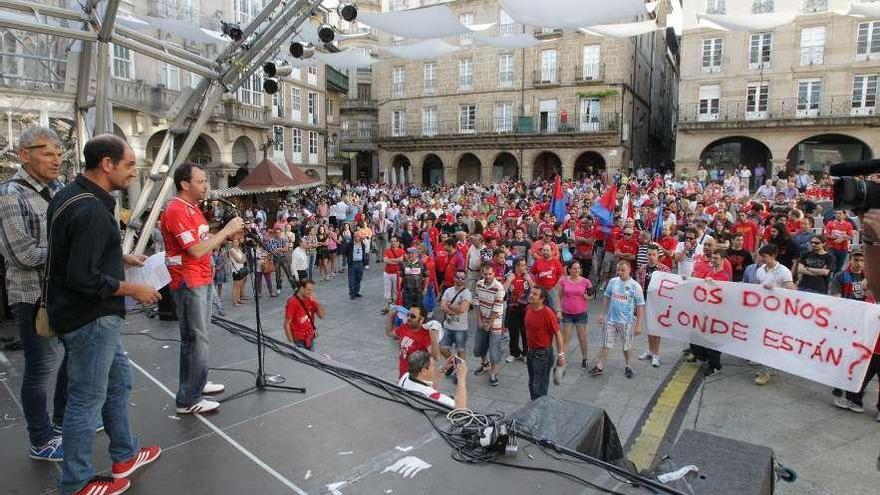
[[622, 314]]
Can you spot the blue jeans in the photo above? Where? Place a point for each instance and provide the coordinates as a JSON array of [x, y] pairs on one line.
[[98, 387], [312, 258], [40, 360], [539, 363], [194, 316], [840, 258], [355, 275]]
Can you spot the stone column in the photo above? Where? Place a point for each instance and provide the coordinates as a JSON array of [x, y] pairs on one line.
[[450, 174], [374, 170], [222, 179], [352, 168]]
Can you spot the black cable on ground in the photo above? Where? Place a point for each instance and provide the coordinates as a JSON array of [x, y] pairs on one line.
[[460, 439]]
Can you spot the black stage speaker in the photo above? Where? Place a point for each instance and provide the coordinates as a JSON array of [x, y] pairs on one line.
[[585, 429], [167, 307], [727, 466]]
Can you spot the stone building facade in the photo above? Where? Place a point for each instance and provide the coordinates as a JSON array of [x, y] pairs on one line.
[[572, 105], [805, 91]]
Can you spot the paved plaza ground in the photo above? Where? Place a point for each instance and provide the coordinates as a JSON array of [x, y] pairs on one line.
[[833, 451]]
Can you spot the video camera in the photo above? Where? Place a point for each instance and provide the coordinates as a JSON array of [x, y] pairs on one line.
[[853, 192]]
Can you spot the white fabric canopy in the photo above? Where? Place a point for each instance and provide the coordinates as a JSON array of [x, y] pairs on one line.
[[432, 22], [571, 14], [623, 30], [746, 23], [180, 28], [864, 10], [422, 50], [349, 59], [521, 40]]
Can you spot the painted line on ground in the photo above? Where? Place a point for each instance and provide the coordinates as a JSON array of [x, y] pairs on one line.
[[665, 410], [247, 453]]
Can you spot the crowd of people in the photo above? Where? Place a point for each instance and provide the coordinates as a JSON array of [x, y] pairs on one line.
[[498, 263]]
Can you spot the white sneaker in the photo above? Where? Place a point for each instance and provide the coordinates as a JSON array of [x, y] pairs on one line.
[[509, 359], [655, 361], [843, 403], [202, 407], [213, 388], [645, 356]]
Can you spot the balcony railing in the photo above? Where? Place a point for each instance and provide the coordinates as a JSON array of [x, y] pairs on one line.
[[360, 104], [138, 94], [335, 79], [546, 123], [833, 107], [589, 72], [546, 76]]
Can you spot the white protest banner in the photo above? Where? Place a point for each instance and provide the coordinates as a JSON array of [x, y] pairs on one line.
[[822, 338]]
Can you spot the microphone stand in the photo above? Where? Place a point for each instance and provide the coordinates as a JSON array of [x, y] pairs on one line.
[[264, 381]]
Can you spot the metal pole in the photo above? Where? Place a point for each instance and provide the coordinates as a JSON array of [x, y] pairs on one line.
[[83, 80], [103, 119], [59, 12]]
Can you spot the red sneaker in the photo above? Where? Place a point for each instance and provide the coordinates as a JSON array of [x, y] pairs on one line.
[[102, 485], [144, 457]]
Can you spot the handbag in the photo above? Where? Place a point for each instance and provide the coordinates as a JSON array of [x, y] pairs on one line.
[[566, 255], [41, 319], [268, 266]]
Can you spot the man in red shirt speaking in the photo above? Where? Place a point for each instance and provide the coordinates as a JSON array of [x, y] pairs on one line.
[[188, 247], [299, 315]]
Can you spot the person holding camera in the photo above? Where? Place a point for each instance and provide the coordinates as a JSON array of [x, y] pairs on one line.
[[299, 315], [188, 247], [423, 374]]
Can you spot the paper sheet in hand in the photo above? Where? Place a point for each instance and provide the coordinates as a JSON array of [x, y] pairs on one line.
[[154, 273]]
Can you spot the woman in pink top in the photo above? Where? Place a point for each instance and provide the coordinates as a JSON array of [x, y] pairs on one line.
[[574, 292]]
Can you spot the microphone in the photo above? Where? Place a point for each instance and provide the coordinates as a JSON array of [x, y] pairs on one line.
[[854, 169]]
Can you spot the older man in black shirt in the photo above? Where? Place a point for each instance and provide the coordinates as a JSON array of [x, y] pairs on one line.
[[85, 302]]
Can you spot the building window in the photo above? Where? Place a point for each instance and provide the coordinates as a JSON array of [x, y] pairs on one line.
[[9, 55], [398, 81], [398, 123], [397, 40], [716, 7], [466, 19], [365, 130], [171, 77], [864, 95], [710, 102], [296, 73], [713, 49], [506, 24], [296, 103], [430, 78], [762, 6], [123, 63], [312, 77], [278, 105], [313, 108], [588, 115], [467, 119], [548, 66], [809, 97], [757, 99], [251, 91], [429, 121], [505, 70], [815, 6], [278, 139], [868, 41], [760, 50], [246, 10], [465, 74], [503, 116], [813, 45], [297, 143], [313, 146], [592, 63]]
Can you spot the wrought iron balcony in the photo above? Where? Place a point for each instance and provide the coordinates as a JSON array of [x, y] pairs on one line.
[[545, 123], [794, 109]]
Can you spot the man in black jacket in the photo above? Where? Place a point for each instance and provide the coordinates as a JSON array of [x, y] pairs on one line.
[[85, 302], [358, 257]]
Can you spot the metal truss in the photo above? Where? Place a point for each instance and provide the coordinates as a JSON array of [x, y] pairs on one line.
[[277, 22]]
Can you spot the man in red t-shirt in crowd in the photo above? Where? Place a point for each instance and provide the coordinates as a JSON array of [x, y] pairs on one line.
[[541, 328], [749, 230], [667, 243], [188, 247], [627, 248], [393, 257], [546, 272], [839, 232], [299, 315], [584, 241], [413, 337]]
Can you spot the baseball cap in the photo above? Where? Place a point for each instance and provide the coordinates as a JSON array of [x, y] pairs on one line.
[[411, 250]]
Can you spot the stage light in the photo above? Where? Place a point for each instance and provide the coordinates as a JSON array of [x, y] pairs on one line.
[[326, 33], [301, 50], [347, 11], [277, 69], [271, 86], [231, 30]]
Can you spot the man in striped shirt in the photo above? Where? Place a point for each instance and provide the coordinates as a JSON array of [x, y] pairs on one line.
[[487, 342], [23, 203]]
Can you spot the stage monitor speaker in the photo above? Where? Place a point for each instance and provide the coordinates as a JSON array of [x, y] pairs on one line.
[[579, 427], [726, 466]]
